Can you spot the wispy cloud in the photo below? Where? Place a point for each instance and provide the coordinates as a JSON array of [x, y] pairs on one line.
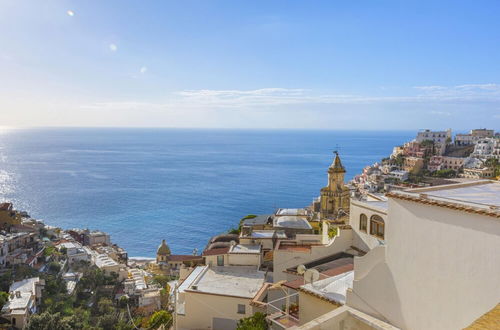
[[440, 113], [113, 47], [275, 97]]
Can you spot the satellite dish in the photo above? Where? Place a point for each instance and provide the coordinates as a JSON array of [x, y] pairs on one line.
[[311, 275], [301, 269], [232, 243]]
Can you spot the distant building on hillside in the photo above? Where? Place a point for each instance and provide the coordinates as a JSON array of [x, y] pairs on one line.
[[435, 136]]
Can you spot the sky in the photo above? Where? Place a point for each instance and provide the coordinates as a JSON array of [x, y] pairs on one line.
[[250, 64]]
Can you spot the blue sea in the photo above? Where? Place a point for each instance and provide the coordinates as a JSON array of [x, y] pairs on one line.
[[182, 185]]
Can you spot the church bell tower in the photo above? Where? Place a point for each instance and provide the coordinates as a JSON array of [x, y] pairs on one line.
[[335, 196]]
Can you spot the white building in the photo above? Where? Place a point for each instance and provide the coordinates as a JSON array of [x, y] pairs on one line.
[[440, 137], [217, 297], [24, 297], [399, 175], [75, 252], [438, 266], [485, 148]]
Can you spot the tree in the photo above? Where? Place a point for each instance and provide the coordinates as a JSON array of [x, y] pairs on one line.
[[161, 280], [448, 173], [105, 306], [159, 318], [4, 297], [54, 267], [48, 321], [254, 322]]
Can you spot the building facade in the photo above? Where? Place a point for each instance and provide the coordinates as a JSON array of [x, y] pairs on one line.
[[335, 196]]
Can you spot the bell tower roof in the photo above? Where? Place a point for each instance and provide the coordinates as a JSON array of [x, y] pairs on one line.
[[163, 249], [337, 164]]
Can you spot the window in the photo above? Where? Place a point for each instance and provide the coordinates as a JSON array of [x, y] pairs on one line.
[[241, 309], [220, 260], [363, 220], [377, 226]]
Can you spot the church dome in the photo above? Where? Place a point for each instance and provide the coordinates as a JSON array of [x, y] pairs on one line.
[[163, 249]]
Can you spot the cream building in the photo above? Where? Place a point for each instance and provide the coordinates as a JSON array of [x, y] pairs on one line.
[[217, 297], [439, 265]]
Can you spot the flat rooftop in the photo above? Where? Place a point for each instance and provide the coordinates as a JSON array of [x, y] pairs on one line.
[[238, 281], [245, 249], [478, 196], [258, 220], [281, 212], [289, 221], [267, 234]]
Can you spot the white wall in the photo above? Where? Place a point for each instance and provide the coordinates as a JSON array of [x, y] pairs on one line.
[[363, 240], [441, 269]]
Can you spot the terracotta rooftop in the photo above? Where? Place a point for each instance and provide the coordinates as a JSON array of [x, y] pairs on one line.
[[327, 269], [489, 321], [183, 257], [216, 251], [5, 206], [295, 248]]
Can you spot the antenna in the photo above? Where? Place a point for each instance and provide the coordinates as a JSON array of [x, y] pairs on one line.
[[311, 275], [301, 269]]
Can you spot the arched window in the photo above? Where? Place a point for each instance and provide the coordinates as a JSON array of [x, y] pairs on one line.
[[377, 225], [363, 221]]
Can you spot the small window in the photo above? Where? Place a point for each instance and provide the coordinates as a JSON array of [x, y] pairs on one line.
[[241, 309], [220, 260], [377, 226], [363, 220]]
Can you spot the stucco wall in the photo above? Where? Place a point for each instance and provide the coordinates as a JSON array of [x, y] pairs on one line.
[[311, 307], [441, 270], [213, 260], [202, 308], [244, 259], [360, 239]]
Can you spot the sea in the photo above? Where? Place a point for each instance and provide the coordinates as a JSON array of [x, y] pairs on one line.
[[181, 185]]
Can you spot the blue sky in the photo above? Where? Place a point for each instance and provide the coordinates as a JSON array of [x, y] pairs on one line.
[[251, 64]]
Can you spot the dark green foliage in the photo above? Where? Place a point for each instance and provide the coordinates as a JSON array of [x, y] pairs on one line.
[[48, 321], [159, 318], [162, 280], [4, 297], [449, 173], [54, 267], [254, 322]]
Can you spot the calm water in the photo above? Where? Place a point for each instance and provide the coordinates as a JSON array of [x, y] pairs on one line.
[[143, 185]]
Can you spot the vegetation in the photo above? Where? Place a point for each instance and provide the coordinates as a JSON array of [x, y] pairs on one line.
[[254, 322], [4, 297], [159, 318], [448, 173], [237, 231], [399, 160], [493, 164], [332, 232], [162, 280]]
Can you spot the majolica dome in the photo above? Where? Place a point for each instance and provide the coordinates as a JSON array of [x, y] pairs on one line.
[[163, 249]]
